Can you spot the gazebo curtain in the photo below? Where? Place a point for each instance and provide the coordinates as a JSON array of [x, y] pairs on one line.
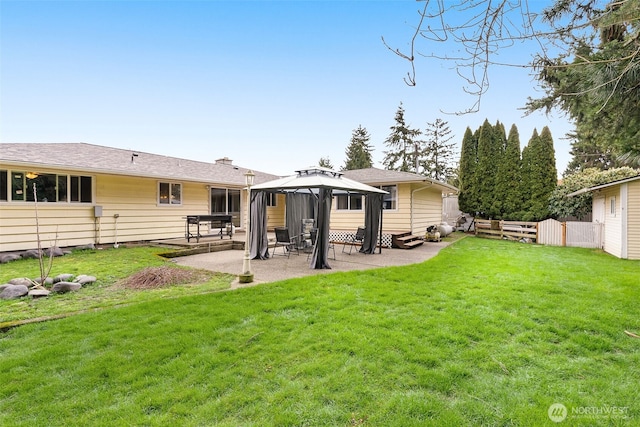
[[319, 259], [373, 211], [299, 206], [259, 241]]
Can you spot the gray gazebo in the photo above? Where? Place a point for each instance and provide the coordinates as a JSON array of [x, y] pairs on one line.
[[309, 194]]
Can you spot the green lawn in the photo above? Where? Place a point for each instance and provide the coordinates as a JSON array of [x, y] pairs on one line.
[[486, 333], [109, 266]]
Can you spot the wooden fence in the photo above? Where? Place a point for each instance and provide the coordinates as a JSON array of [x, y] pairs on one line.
[[547, 232], [571, 233], [512, 230]]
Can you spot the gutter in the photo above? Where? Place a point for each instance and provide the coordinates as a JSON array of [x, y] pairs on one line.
[[55, 169], [579, 192]]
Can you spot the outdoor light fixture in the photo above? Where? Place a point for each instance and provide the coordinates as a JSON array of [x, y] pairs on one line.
[[247, 275], [249, 176], [31, 175]]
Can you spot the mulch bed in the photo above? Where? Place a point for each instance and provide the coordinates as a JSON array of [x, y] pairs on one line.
[[157, 277]]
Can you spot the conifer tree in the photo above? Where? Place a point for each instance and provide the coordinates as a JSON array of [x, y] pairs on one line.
[[359, 150], [526, 172], [539, 175], [467, 196], [489, 154], [439, 152], [325, 162], [508, 180], [404, 149]]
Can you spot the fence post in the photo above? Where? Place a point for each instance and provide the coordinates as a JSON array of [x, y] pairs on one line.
[[564, 233]]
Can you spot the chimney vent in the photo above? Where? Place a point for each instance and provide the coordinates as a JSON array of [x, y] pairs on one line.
[[224, 161]]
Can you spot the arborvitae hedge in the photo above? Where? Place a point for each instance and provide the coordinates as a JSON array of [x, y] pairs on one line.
[[499, 182]]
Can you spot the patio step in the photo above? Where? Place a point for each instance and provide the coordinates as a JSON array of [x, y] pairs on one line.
[[406, 240]]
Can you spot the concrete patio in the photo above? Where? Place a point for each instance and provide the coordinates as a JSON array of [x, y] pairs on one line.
[[281, 267]]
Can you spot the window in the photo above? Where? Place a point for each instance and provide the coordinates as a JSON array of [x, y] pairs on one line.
[[81, 189], [48, 187], [349, 202], [169, 193], [390, 201], [227, 202], [4, 186], [613, 207], [272, 199]]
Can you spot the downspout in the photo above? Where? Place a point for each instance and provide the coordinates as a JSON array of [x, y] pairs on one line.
[[411, 207]]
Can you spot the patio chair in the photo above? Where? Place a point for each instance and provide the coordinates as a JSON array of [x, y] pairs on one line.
[[307, 227], [352, 240], [314, 238], [287, 243]]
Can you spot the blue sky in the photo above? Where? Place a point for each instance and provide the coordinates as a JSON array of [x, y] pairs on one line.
[[274, 86]]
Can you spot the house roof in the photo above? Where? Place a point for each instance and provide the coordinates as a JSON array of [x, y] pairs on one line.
[[598, 187], [375, 176], [100, 159]]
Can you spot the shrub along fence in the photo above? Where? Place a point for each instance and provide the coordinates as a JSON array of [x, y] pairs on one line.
[[547, 232]]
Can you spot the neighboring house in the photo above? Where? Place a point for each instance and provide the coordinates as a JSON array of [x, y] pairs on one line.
[[90, 194], [617, 205], [414, 201]]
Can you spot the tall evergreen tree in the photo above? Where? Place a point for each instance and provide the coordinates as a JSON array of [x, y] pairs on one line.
[[468, 200], [526, 172], [359, 150], [439, 152], [489, 154], [325, 162], [508, 179], [539, 175], [404, 150]]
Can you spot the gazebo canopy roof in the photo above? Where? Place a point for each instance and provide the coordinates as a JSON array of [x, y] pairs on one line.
[[317, 177]]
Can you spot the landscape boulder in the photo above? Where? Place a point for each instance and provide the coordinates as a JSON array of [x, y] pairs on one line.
[[14, 291], [39, 293], [4, 258], [31, 253], [21, 281], [84, 279], [90, 246], [54, 251], [65, 287], [65, 277]]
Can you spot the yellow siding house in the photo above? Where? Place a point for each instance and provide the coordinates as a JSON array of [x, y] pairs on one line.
[[414, 201], [90, 194]]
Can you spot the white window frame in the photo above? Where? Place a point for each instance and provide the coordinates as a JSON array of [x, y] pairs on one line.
[[8, 175], [349, 207], [395, 196], [612, 206], [272, 200], [170, 201]]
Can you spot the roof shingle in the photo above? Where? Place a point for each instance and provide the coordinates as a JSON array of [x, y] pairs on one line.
[[97, 158]]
